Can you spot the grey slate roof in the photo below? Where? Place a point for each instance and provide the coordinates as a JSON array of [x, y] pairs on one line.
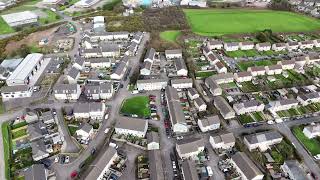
[[65, 88], [155, 165], [222, 105], [262, 137], [86, 127], [309, 96], [192, 91], [208, 121], [199, 101], [173, 51], [35, 172], [249, 169], [9, 89], [244, 74], [297, 172], [153, 137], [189, 145], [181, 81], [150, 54], [180, 64], [131, 123], [174, 106], [189, 170], [73, 72]]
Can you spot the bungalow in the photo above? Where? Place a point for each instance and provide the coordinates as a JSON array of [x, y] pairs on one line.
[[308, 44], [212, 59], [246, 167], [73, 75], [257, 70], [243, 76], [248, 107], [225, 109], [246, 45], [309, 98], [151, 84], [220, 68], [177, 117], [131, 126], [284, 104], [263, 46], [279, 46], [213, 86], [85, 132], [193, 93], [153, 141], [146, 68], [181, 83], [214, 44], [200, 104], [312, 131], [189, 148], [273, 69], [262, 140], [292, 46], [181, 67], [286, 64], [233, 46], [223, 141], [174, 53], [209, 123], [67, 91]]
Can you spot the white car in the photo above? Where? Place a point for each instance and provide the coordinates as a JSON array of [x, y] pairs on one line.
[[67, 160], [56, 159], [270, 122]]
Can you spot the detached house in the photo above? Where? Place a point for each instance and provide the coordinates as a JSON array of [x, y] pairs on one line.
[[214, 44], [85, 131], [209, 123], [181, 67], [262, 140], [188, 148], [246, 45], [131, 126], [223, 141], [263, 46], [200, 104]]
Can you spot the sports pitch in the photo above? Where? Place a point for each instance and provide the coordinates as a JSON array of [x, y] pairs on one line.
[[215, 22]]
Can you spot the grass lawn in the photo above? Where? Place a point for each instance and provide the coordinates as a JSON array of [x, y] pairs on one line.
[[20, 133], [240, 53], [245, 119], [170, 36], [204, 74], [249, 87], [212, 22], [72, 129], [258, 116], [6, 146], [313, 145], [51, 17], [4, 27], [138, 105]]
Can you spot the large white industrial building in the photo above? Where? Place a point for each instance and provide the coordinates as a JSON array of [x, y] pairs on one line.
[[26, 70], [20, 18]]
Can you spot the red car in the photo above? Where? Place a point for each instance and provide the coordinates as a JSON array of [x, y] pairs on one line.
[[74, 174]]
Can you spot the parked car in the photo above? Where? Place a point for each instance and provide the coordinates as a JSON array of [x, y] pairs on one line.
[[67, 160]]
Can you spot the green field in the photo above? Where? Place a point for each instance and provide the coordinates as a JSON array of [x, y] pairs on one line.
[[312, 145], [170, 36], [138, 105], [6, 146], [212, 22], [4, 27]]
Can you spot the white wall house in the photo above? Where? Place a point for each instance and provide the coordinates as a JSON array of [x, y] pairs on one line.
[[312, 131], [287, 64], [151, 84], [243, 76], [292, 46], [173, 54], [273, 69], [189, 148], [85, 132], [223, 141], [306, 44], [308, 98], [193, 93], [257, 71], [200, 104], [284, 104], [67, 91], [181, 83], [263, 46], [153, 141], [279, 46], [246, 45], [214, 44], [209, 123], [248, 107], [12, 92], [231, 46], [131, 126], [262, 140]]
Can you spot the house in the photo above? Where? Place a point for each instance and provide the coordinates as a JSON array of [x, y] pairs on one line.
[[193, 93], [189, 170], [279, 46], [137, 37], [85, 3], [200, 104], [200, 3], [121, 68], [181, 67], [39, 150], [104, 163], [13, 92], [257, 71], [308, 44], [37, 130], [47, 117], [293, 170], [102, 91], [67, 91], [222, 78], [85, 132], [245, 167], [292, 46], [223, 141], [188, 148], [155, 165], [181, 83], [248, 107], [79, 63], [209, 123], [73, 75], [150, 55], [213, 59], [286, 64], [151, 84], [214, 44], [146, 68], [313, 57], [233, 46], [273, 69], [110, 50], [97, 63], [220, 67], [153, 141], [206, 51], [312, 131], [243, 76], [214, 88], [19, 19], [131, 126], [246, 45], [25, 72], [316, 42], [132, 49], [177, 117], [262, 140], [225, 109], [263, 46], [93, 110], [35, 172], [284, 104], [300, 60], [173, 54], [308, 98]]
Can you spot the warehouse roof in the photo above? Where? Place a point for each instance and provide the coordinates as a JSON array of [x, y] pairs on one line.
[[19, 16]]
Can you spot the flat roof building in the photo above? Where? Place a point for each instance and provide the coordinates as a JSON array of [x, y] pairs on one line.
[[20, 18]]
